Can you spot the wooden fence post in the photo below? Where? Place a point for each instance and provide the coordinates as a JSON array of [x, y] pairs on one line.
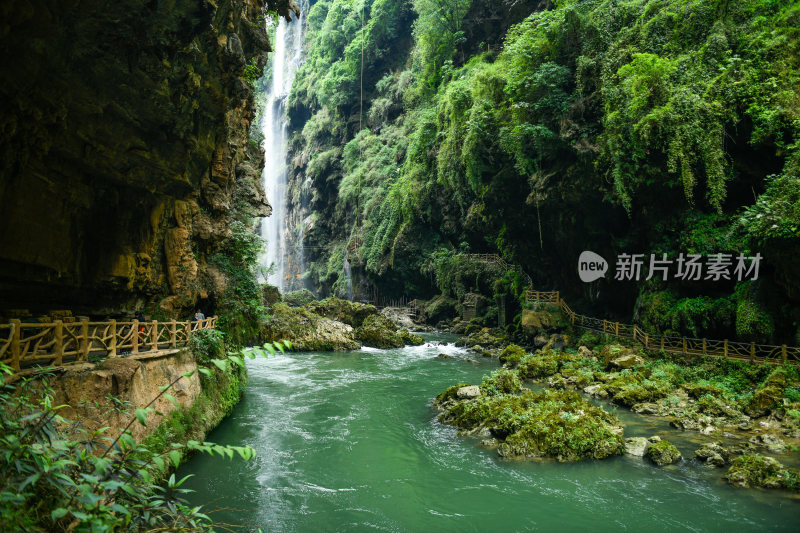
[[616, 329], [188, 326], [112, 344], [173, 334], [604, 325], [15, 337], [725, 348], [752, 351], [662, 343], [154, 336], [84, 351], [135, 336], [783, 353], [704, 347], [646, 340], [58, 346]]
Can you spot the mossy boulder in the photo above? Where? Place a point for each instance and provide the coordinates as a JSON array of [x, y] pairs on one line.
[[298, 298], [713, 454], [308, 331], [512, 355], [380, 332], [758, 471], [546, 319], [662, 453], [556, 424], [351, 313], [616, 356], [439, 308], [544, 363], [769, 395], [485, 337]]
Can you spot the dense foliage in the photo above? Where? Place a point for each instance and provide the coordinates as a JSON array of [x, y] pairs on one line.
[[58, 476], [665, 126]]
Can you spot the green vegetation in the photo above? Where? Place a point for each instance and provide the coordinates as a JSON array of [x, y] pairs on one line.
[[757, 471], [56, 475], [680, 115], [556, 424]]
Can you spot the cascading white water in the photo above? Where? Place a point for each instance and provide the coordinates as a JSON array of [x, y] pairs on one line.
[[285, 61]]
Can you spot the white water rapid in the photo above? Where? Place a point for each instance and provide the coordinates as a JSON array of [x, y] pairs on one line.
[[274, 124]]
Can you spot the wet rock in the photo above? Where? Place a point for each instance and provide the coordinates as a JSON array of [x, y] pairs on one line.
[[636, 446], [771, 442], [646, 408], [662, 453], [444, 356], [708, 430], [469, 392], [592, 390], [713, 454], [540, 340]]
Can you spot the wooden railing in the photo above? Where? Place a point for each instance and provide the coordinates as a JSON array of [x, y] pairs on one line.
[[745, 351], [51, 344]]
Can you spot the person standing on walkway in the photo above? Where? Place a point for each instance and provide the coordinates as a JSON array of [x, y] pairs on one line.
[[199, 315]]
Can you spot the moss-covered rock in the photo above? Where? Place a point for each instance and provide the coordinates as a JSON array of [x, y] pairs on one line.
[[543, 363], [308, 331], [439, 308], [769, 395], [486, 338], [713, 454], [449, 395], [757, 471], [351, 313], [556, 424], [380, 332], [411, 339], [512, 355], [298, 298], [662, 453]]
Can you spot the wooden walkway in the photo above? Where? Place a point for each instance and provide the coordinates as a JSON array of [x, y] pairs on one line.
[[24, 345], [740, 351]]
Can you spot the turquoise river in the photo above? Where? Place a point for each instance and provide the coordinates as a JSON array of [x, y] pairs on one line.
[[350, 442]]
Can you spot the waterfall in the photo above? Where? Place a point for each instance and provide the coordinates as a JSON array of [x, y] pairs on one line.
[[274, 125]]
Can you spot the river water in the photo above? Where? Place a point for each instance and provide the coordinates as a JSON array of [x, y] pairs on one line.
[[349, 442]]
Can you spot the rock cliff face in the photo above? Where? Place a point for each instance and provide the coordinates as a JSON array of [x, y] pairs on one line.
[[124, 142]]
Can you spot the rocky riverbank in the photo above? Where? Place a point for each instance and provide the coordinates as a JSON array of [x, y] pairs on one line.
[[743, 414]]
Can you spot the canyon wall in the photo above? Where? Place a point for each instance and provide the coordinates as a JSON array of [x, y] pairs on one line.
[[124, 141]]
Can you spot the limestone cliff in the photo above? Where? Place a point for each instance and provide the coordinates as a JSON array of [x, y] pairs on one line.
[[124, 148]]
